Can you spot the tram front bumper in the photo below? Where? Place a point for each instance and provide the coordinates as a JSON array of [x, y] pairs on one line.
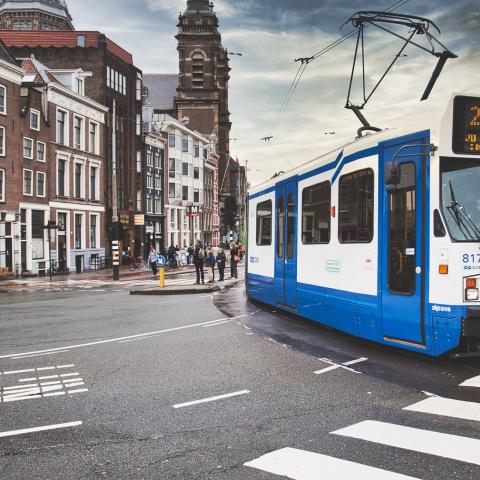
[[471, 323]]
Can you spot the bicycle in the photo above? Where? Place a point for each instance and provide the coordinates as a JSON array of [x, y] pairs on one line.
[[139, 264], [170, 266]]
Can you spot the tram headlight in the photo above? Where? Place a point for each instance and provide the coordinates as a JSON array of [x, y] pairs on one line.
[[471, 294]]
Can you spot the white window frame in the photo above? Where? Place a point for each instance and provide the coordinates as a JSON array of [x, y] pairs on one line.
[[81, 162], [139, 124], [67, 176], [138, 86], [97, 182], [81, 145], [96, 146], [31, 183], [66, 127], [139, 161], [44, 184], [97, 233], [2, 189], [4, 144], [31, 149], [44, 152], [139, 200], [3, 108], [82, 234], [34, 112]]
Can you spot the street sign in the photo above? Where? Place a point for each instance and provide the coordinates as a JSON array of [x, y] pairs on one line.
[[139, 219], [192, 211], [161, 261]]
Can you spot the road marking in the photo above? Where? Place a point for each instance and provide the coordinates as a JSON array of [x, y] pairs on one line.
[[472, 382], [448, 408], [211, 399], [303, 465], [15, 372], [79, 390], [63, 375], [444, 445], [344, 365], [215, 324], [51, 351], [39, 429], [36, 354]]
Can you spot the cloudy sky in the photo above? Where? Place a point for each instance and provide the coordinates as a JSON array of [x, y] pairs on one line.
[[271, 34]]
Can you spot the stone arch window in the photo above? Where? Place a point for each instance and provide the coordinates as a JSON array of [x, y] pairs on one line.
[[198, 63]]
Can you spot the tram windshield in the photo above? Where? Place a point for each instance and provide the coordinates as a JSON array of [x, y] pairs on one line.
[[461, 197]]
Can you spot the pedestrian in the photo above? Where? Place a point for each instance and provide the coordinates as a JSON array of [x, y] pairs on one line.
[[212, 260], [221, 261], [234, 259], [172, 256], [152, 259], [191, 251], [198, 259]]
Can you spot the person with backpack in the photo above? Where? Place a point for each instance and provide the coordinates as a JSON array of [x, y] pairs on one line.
[[221, 262], [198, 258], [212, 260]]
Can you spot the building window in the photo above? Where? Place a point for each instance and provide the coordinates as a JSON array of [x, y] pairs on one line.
[[138, 87], [2, 141], [264, 223], [93, 137], [149, 180], [93, 183], [139, 161], [38, 234], [79, 86], [171, 167], [197, 70], [41, 151], [171, 140], [185, 194], [81, 41], [28, 148], [149, 204], [184, 168], [61, 127], [28, 182], [157, 161], [158, 183], [185, 146], [41, 184], [77, 132], [158, 205], [196, 195], [61, 177], [316, 213], [3, 99], [205, 153], [149, 158], [78, 180], [2, 185], [196, 172], [78, 231], [173, 219], [171, 190], [139, 200], [139, 124], [355, 205], [35, 120], [22, 26], [93, 231]]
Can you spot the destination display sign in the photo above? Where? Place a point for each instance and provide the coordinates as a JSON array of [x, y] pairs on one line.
[[466, 125]]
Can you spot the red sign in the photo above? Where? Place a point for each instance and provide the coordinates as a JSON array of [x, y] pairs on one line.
[[193, 211]]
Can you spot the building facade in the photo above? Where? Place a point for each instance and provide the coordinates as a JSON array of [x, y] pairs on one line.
[[34, 15], [116, 83], [153, 167], [210, 214]]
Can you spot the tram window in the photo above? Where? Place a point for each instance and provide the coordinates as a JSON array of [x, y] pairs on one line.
[[402, 233], [316, 206], [290, 225], [438, 227], [280, 227], [264, 223], [355, 205]]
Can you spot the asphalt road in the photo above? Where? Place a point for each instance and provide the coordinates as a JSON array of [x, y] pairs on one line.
[[114, 380]]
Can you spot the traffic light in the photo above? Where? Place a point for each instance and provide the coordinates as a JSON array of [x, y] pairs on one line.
[[230, 212]]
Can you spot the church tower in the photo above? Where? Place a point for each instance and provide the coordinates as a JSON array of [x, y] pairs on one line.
[[204, 75], [35, 15]]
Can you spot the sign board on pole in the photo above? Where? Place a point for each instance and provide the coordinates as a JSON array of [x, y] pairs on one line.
[[161, 261], [139, 219]]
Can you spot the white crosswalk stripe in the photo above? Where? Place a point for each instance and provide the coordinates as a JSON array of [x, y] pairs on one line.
[[303, 465], [444, 445], [447, 407], [472, 382]]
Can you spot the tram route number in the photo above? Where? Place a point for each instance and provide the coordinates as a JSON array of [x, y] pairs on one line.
[[471, 261]]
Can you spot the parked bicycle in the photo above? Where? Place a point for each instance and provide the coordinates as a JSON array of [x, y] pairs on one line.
[[172, 266], [139, 264]]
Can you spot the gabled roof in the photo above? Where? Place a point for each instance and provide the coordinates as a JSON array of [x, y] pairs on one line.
[[162, 90], [5, 54]]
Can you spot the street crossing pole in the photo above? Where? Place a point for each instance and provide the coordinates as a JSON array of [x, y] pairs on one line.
[[115, 222]]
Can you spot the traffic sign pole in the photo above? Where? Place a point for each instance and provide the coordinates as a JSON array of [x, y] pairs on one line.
[[162, 277]]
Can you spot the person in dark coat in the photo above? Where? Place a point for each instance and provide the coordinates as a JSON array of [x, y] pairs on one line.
[[234, 259], [221, 262], [198, 259]]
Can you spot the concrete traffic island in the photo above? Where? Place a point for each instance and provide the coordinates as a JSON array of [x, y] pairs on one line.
[[185, 289]]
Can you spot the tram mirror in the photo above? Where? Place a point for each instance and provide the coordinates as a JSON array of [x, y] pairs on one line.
[[392, 174]]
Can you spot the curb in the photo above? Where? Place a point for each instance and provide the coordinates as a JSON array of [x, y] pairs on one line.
[[176, 291]]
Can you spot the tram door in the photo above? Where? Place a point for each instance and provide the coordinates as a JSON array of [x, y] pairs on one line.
[[402, 249], [286, 243]]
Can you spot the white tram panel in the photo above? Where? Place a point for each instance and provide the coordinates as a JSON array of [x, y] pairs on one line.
[[448, 289], [261, 258], [350, 267]]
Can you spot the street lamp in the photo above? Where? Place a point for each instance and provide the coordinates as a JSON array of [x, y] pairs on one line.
[[50, 226]]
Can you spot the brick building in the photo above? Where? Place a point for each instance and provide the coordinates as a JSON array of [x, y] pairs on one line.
[[114, 79], [34, 15]]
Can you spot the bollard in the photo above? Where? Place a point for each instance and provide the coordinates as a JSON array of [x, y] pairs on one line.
[[162, 277]]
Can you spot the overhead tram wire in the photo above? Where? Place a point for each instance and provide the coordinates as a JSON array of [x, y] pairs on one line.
[[307, 60]]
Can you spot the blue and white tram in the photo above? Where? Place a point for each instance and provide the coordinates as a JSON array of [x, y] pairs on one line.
[[379, 239]]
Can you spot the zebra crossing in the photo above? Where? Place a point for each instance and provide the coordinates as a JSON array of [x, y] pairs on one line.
[[305, 465]]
